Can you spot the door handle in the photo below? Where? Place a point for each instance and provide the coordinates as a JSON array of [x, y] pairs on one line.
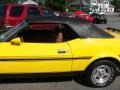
[[61, 51]]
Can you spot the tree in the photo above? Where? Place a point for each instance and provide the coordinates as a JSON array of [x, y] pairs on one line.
[[60, 5], [116, 3], [56, 4], [53, 4]]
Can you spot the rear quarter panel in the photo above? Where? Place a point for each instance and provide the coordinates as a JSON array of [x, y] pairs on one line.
[[86, 51]]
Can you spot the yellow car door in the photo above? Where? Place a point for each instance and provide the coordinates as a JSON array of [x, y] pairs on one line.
[[35, 57]]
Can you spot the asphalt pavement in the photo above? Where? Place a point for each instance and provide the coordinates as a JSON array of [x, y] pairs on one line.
[[56, 83], [64, 83]]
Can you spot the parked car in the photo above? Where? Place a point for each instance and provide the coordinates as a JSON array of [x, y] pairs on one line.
[[91, 12], [74, 46], [83, 15], [57, 13], [13, 14], [67, 14], [99, 18], [46, 12]]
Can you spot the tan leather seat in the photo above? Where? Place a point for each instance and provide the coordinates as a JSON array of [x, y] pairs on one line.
[[59, 37]]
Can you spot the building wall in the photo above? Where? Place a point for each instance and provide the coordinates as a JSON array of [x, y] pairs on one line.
[[103, 6]]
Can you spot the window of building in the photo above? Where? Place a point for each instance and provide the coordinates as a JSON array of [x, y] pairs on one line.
[[110, 9], [106, 2], [94, 1]]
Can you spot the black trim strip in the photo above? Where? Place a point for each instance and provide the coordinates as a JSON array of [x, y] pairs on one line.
[[83, 57], [42, 59]]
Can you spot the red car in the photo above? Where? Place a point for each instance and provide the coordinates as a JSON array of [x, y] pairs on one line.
[[83, 15], [12, 14]]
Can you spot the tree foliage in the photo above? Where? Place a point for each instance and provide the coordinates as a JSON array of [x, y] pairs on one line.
[[58, 4], [116, 3], [53, 4]]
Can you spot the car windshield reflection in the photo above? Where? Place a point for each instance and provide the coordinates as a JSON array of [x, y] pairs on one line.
[[5, 35]]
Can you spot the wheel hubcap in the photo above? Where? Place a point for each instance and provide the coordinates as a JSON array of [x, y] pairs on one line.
[[101, 74]]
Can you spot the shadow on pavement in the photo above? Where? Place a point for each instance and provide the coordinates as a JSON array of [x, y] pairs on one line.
[[82, 82], [34, 80], [14, 80]]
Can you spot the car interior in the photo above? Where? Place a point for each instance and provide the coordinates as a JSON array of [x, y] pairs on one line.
[[59, 34]]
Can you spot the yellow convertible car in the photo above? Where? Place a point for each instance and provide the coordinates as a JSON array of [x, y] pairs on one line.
[[71, 46]]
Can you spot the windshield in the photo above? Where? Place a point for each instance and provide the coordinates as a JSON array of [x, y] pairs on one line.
[[7, 35], [3, 10], [92, 31]]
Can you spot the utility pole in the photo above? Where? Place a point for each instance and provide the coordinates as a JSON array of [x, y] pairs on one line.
[[66, 5], [103, 6], [80, 4]]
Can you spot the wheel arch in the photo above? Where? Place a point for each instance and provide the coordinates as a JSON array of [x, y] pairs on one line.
[[112, 59]]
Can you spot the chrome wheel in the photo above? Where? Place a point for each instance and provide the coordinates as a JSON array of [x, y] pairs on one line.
[[101, 74]]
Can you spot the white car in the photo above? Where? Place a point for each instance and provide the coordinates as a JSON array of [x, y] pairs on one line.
[[101, 13]]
